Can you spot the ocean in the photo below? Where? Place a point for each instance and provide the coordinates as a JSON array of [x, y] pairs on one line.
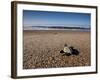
[[56, 28]]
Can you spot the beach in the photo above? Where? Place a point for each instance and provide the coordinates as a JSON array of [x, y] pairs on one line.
[[41, 48]]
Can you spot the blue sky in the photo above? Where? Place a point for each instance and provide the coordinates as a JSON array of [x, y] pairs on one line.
[[48, 18]]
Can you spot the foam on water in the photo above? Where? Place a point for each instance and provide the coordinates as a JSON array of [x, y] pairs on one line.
[[46, 28]]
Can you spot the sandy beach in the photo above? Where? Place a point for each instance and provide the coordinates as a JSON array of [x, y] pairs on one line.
[[42, 48]]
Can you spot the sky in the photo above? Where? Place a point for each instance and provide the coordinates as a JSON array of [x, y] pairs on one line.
[[48, 18]]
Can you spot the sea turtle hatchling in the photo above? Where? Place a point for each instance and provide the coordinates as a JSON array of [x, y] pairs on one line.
[[66, 50]]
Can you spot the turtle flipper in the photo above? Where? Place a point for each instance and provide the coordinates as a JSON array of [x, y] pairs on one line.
[[61, 51]]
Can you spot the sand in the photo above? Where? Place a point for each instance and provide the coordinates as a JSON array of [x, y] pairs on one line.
[[42, 49]]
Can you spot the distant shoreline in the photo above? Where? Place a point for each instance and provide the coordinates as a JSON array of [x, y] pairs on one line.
[[60, 30], [56, 28]]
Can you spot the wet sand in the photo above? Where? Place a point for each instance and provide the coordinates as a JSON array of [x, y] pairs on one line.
[[42, 49]]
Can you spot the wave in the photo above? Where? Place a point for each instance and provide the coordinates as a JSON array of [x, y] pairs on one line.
[[56, 28]]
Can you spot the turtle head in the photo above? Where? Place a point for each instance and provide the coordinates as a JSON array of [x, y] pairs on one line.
[[65, 45]]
